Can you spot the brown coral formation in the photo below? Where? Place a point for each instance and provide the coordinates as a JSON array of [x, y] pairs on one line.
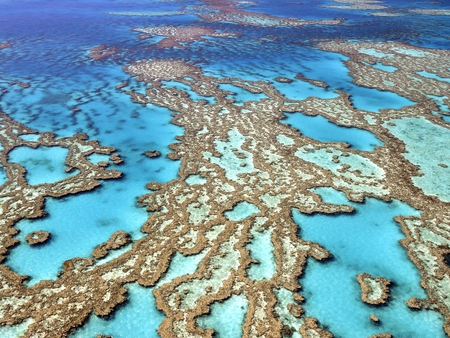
[[180, 36], [225, 11], [374, 291], [357, 5], [310, 329], [374, 319], [5, 45], [316, 83], [382, 335], [21, 84], [152, 153], [37, 237], [159, 69], [116, 241], [283, 79], [20, 200], [408, 60], [442, 12], [281, 168], [116, 159], [102, 52]]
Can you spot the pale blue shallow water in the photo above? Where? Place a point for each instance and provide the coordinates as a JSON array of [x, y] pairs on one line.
[[138, 317], [261, 249], [321, 129], [366, 241], [241, 211], [89, 219], [380, 66], [3, 176], [43, 164], [226, 318]]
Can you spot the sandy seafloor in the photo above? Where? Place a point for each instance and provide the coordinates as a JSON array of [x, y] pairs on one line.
[[50, 42]]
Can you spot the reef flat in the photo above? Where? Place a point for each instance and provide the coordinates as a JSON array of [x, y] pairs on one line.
[[270, 225]]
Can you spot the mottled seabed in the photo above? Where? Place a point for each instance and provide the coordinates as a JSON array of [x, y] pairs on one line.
[[229, 169]]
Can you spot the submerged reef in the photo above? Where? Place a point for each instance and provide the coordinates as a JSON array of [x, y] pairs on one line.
[[225, 11], [357, 5], [374, 291], [179, 36], [5, 45], [38, 237], [102, 52]]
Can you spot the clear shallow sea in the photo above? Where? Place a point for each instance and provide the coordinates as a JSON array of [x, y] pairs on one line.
[[50, 42]]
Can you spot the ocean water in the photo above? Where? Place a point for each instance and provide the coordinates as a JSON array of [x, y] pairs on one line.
[[323, 130], [261, 249], [140, 307], [226, 318], [241, 211], [366, 241], [50, 45], [43, 164]]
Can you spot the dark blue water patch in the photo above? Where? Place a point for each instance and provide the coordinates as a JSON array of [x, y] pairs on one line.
[[321, 129], [366, 241]]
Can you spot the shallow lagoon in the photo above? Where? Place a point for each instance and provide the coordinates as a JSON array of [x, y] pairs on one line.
[[321, 129], [43, 164], [366, 241]]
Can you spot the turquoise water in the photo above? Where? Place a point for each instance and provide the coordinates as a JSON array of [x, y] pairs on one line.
[[424, 145], [366, 241], [137, 317], [321, 129], [241, 211], [433, 76], [3, 176], [88, 219], [226, 318], [261, 249], [180, 266], [381, 66], [43, 164], [439, 100], [140, 310], [195, 179], [370, 99], [229, 161]]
